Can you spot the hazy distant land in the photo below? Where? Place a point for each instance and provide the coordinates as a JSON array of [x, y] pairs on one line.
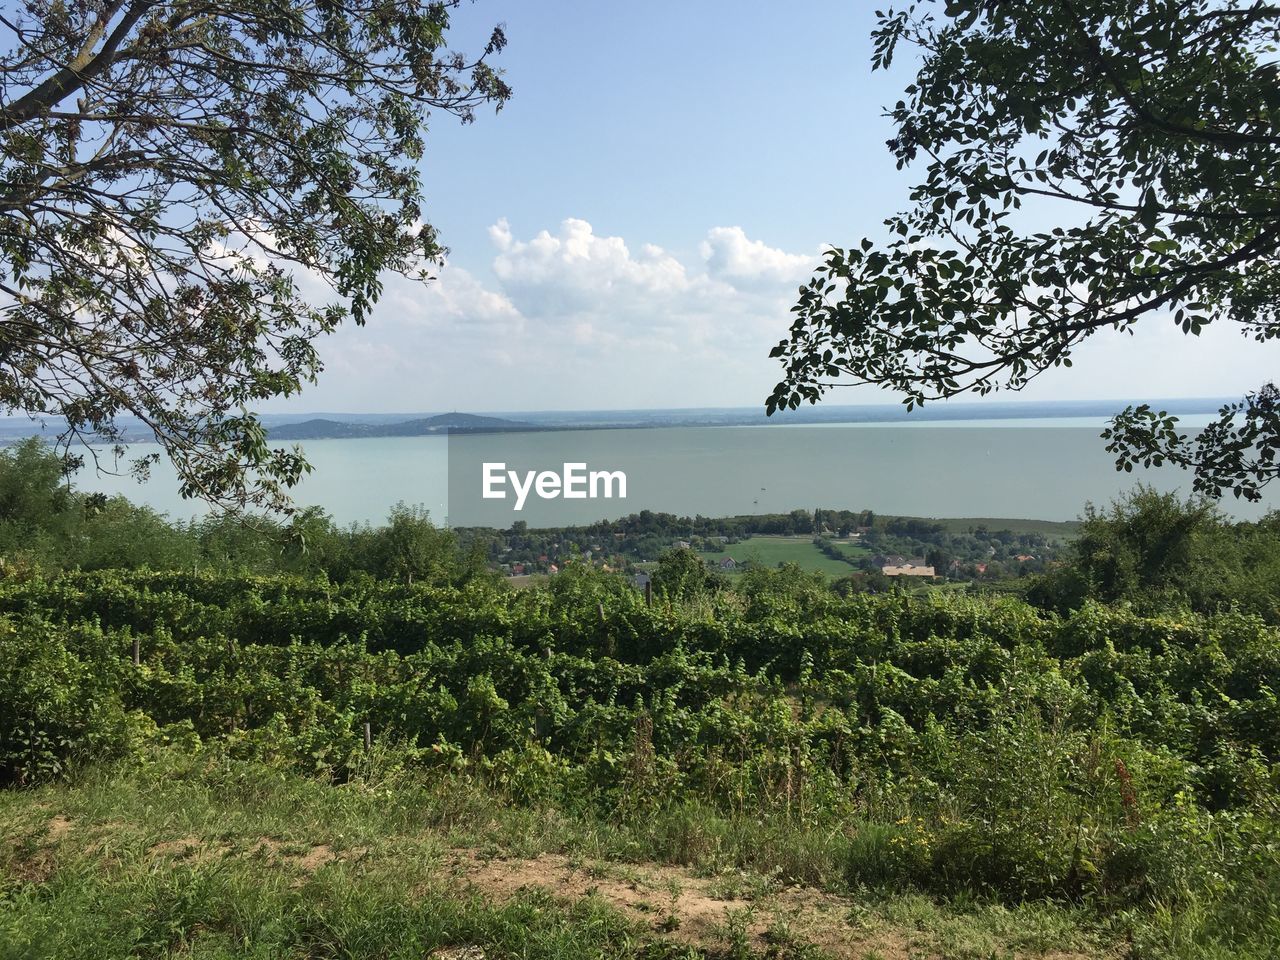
[[347, 425], [322, 428]]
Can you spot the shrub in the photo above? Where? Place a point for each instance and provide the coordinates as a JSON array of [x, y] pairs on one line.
[[60, 699]]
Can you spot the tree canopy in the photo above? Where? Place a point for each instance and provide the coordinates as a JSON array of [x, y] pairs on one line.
[[192, 192], [1160, 552], [1147, 133]]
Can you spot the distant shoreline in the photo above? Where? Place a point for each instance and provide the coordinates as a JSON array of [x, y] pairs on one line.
[[342, 426]]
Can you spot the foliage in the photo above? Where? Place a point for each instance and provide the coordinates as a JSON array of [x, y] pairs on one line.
[[45, 523], [683, 575], [1147, 133], [954, 743], [1236, 452], [1157, 551], [169, 172], [60, 700], [414, 548]]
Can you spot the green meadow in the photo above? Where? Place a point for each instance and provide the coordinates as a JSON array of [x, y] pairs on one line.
[[770, 551]]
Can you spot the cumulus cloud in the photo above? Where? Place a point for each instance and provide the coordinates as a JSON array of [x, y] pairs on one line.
[[572, 317], [455, 299], [731, 255], [619, 307], [576, 270]]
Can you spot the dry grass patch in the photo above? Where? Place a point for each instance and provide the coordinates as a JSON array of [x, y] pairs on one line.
[[697, 911]]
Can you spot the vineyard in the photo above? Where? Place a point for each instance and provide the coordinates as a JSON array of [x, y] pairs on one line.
[[956, 746]]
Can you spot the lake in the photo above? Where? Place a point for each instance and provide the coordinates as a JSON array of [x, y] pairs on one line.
[[1045, 469]]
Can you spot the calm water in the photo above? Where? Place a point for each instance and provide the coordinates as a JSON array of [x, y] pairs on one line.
[[1044, 470]]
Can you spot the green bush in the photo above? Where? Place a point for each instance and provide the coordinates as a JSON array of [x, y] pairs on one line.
[[60, 699]]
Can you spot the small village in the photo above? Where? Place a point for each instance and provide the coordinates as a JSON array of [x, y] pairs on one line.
[[870, 555]]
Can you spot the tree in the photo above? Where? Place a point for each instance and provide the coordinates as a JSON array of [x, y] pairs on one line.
[[1151, 132], [682, 575], [1155, 549], [177, 177], [413, 550], [45, 523], [939, 559]]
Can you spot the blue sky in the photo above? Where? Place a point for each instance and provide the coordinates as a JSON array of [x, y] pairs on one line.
[[655, 121], [630, 230]]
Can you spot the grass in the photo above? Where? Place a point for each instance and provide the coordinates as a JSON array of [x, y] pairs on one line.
[[769, 551], [219, 858], [852, 549]]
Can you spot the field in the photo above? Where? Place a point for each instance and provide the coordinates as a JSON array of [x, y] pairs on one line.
[[769, 551], [222, 765]]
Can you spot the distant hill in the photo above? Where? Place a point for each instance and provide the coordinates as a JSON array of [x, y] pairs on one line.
[[445, 423], [316, 429], [452, 423]]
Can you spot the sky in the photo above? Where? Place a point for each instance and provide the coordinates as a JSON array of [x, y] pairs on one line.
[[631, 229]]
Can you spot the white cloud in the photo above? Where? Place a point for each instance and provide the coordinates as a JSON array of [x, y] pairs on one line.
[[455, 299], [422, 343], [730, 254], [575, 318], [571, 318], [576, 270]]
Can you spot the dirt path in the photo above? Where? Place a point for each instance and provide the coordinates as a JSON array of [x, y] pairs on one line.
[[711, 914], [675, 904]]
